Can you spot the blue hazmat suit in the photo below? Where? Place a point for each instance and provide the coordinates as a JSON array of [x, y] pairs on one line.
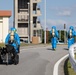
[[55, 37], [71, 34], [16, 41]]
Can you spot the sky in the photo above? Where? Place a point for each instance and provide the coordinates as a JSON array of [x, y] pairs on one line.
[[58, 12]]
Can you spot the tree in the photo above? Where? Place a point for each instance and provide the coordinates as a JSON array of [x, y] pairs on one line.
[[42, 36]]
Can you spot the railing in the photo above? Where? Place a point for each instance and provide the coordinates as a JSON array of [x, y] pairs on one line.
[[36, 0], [22, 18], [72, 59], [37, 12]]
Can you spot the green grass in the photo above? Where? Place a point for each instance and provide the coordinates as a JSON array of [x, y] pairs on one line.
[[2, 45], [26, 44], [75, 55], [68, 70], [22, 44]]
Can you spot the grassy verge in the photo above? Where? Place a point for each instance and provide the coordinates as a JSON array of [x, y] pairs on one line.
[[23, 44], [2, 45], [26, 44], [68, 70], [75, 55]]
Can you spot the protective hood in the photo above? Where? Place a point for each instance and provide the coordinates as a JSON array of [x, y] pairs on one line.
[[13, 29], [54, 27], [72, 28]]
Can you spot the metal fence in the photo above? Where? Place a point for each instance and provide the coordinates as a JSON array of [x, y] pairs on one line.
[[72, 51]]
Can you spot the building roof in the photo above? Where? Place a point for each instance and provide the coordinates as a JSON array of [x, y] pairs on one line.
[[5, 13]]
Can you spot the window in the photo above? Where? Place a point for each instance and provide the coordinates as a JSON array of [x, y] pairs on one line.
[[34, 33], [22, 25], [22, 4]]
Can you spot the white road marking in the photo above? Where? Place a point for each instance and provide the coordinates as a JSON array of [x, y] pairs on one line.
[[55, 71]]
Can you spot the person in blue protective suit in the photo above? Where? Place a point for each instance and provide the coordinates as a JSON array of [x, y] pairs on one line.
[[13, 39], [71, 34], [55, 36]]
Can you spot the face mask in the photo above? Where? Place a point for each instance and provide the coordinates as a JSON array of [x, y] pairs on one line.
[[12, 35], [53, 32], [70, 33]]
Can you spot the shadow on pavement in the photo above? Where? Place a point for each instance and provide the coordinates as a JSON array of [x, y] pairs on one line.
[[66, 67], [50, 49], [4, 63], [66, 49]]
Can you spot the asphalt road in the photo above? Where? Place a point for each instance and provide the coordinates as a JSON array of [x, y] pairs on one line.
[[36, 60]]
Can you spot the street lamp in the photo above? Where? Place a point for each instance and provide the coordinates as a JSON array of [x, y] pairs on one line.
[[28, 23], [45, 23]]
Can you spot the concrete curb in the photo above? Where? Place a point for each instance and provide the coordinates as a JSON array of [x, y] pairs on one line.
[[55, 71]]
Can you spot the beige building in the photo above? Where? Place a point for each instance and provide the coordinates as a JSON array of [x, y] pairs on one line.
[[26, 13], [4, 24]]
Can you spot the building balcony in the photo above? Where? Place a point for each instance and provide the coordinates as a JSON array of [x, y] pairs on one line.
[[37, 26], [23, 35], [23, 18], [23, 9], [36, 1], [37, 12], [22, 31]]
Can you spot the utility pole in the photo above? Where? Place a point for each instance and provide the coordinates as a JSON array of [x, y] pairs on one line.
[[28, 23], [65, 33], [45, 23]]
